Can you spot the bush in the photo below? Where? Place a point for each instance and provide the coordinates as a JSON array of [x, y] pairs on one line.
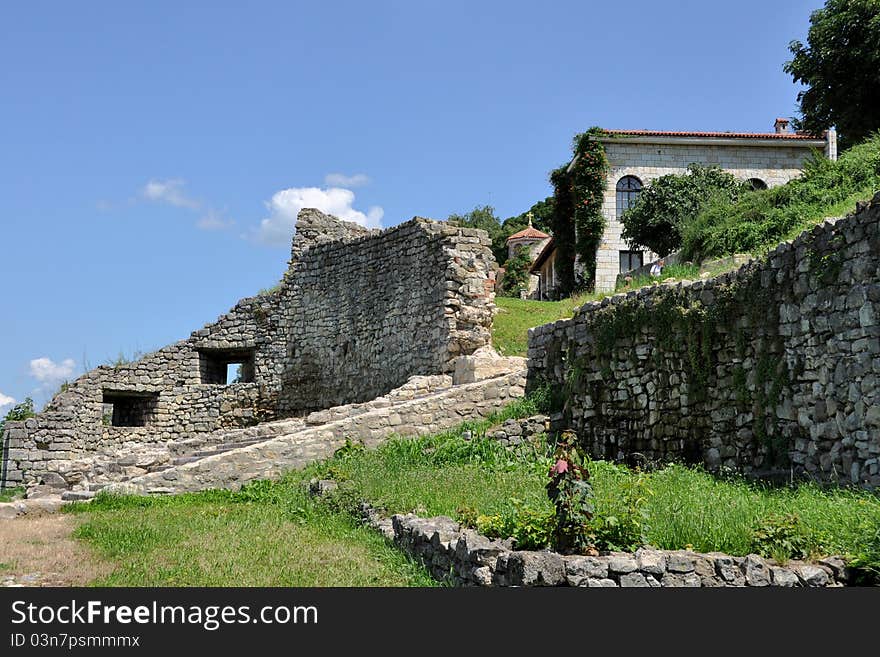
[[530, 528], [21, 411], [781, 538], [671, 201], [516, 273], [765, 217]]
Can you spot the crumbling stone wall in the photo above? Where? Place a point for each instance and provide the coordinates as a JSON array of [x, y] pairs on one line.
[[357, 313], [770, 369], [369, 310]]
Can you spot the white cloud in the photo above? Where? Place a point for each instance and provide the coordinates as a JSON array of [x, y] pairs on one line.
[[169, 191], [341, 180], [5, 400], [278, 227], [214, 220], [48, 372]]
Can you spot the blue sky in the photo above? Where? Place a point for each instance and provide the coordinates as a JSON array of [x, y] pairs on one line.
[[153, 154]]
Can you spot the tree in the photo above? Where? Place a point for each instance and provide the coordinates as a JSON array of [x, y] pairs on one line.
[[484, 218], [841, 68], [21, 411], [669, 202], [516, 272], [542, 214]]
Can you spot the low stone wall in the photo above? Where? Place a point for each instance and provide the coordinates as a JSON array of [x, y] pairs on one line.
[[271, 458], [770, 370], [467, 558]]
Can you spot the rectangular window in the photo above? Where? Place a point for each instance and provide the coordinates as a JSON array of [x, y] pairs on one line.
[[630, 260], [225, 366], [130, 409]]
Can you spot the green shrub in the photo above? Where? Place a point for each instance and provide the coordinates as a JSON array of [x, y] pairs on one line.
[[671, 201], [531, 528], [572, 495], [516, 273], [764, 217], [781, 538]]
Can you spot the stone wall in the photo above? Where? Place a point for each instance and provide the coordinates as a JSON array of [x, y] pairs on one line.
[[463, 557], [357, 314], [769, 369], [370, 424], [649, 158]]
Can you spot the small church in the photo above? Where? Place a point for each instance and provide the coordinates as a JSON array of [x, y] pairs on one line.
[[636, 157]]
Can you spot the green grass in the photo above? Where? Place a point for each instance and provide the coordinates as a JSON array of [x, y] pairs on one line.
[[681, 506], [761, 219], [516, 316], [10, 494], [275, 536]]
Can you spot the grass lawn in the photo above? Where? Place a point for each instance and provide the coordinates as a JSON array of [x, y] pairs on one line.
[[516, 316], [274, 534], [265, 537], [673, 507]]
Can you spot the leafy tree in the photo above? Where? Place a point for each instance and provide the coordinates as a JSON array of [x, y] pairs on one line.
[[516, 272], [542, 214], [484, 217], [669, 202], [21, 411], [840, 65]]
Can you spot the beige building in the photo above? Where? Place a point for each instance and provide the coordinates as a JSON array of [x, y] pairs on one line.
[[636, 157]]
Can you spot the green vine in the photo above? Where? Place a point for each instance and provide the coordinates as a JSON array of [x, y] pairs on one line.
[[578, 223], [685, 326]]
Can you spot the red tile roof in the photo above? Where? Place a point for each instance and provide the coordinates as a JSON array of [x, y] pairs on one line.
[[528, 233], [719, 135]]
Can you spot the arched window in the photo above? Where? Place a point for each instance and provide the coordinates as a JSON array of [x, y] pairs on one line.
[[756, 183], [628, 190]]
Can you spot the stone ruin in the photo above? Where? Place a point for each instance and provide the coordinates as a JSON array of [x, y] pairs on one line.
[[357, 314]]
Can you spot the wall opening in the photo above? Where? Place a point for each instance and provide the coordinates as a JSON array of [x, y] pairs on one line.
[[226, 366], [756, 184], [129, 409]]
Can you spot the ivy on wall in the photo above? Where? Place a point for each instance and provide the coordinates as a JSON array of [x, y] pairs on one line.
[[578, 224]]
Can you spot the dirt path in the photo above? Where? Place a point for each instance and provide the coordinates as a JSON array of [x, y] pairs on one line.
[[39, 551]]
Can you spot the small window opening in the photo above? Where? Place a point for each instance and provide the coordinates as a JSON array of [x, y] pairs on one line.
[[129, 409], [756, 184], [226, 366]]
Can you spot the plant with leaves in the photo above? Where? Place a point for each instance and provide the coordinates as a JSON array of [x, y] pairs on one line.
[[670, 202], [541, 216], [484, 218], [571, 493], [516, 273], [21, 411], [840, 65], [578, 223]]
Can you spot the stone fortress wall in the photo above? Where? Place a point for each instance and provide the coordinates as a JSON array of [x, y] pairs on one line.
[[356, 315], [770, 369], [649, 158]]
